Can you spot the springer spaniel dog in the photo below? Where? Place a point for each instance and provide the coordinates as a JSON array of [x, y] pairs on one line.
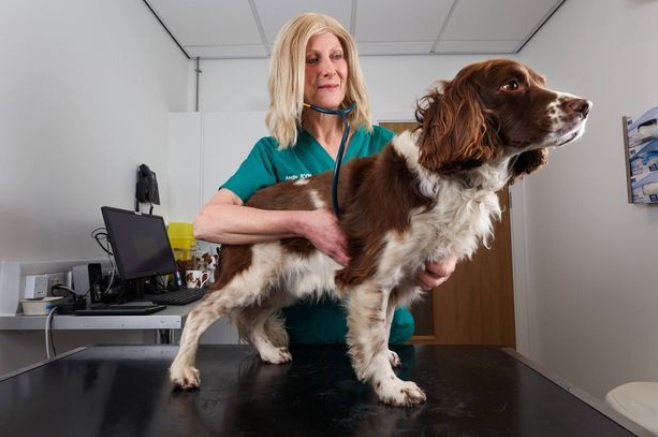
[[429, 195]]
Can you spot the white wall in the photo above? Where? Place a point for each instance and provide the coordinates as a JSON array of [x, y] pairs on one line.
[[587, 303], [592, 293], [86, 90]]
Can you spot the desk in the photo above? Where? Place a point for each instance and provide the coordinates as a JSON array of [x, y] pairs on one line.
[[124, 390], [164, 322]]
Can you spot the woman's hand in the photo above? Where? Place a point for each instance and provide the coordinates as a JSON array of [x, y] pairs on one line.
[[435, 274], [321, 228]]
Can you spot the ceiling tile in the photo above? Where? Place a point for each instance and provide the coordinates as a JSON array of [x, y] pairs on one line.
[[382, 20], [247, 28], [477, 20], [394, 48], [274, 14], [476, 47], [208, 22]]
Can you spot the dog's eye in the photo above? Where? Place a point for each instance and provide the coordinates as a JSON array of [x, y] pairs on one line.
[[512, 85]]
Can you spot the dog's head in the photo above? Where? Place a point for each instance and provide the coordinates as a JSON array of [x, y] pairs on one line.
[[494, 109], [210, 260]]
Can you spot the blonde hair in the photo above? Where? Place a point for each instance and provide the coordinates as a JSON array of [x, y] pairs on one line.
[[286, 76]]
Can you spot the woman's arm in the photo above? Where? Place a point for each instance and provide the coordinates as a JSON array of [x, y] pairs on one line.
[[225, 220]]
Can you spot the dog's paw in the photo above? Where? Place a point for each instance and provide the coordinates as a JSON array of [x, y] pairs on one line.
[[185, 378], [279, 355], [399, 393], [394, 359]]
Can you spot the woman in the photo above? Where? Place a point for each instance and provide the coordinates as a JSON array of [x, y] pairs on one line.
[[314, 62]]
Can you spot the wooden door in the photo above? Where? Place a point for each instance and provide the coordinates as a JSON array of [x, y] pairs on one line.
[[476, 305]]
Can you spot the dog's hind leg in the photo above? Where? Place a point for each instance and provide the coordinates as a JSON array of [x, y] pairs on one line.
[[368, 311], [265, 332], [275, 329], [245, 289], [215, 305]]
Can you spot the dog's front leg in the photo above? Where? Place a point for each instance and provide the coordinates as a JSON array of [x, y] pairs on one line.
[[368, 310]]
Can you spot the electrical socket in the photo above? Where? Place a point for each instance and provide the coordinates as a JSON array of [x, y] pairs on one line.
[[55, 279], [36, 286]]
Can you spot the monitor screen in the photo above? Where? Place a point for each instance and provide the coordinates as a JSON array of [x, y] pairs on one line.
[[139, 243]]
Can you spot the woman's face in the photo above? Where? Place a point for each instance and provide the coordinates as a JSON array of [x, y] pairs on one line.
[[326, 71]]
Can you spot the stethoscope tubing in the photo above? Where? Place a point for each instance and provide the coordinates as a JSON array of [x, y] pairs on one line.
[[342, 113]]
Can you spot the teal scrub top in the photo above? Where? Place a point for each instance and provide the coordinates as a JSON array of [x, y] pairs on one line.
[[323, 322]]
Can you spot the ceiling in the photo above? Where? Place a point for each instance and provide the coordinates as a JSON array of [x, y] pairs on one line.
[[229, 29]]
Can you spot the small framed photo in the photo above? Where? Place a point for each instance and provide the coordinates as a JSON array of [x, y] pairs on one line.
[[641, 150]]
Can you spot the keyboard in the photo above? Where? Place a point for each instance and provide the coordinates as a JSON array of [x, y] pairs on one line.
[[178, 297], [120, 310]]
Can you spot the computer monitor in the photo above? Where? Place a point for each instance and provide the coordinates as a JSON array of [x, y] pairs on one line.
[[140, 245]]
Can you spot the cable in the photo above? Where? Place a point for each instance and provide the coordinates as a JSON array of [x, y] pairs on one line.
[[57, 287], [111, 280], [49, 332], [99, 234]]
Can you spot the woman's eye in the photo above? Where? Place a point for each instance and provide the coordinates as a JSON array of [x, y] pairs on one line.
[[312, 60], [512, 85], [337, 56]]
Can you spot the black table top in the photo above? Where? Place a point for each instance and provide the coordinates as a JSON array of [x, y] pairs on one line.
[[125, 391]]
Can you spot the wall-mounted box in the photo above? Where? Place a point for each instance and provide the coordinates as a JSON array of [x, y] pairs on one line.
[[641, 151]]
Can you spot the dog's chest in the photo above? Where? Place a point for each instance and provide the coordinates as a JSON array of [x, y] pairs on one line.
[[457, 224]]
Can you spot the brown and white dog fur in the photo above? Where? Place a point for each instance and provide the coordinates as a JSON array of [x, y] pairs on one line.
[[429, 195]]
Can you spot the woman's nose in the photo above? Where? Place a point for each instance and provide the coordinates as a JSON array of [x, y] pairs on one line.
[[327, 68]]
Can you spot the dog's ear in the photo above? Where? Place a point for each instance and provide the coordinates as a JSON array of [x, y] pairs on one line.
[[528, 162], [454, 129]]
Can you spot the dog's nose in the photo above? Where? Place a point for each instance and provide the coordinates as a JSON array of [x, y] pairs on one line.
[[580, 106]]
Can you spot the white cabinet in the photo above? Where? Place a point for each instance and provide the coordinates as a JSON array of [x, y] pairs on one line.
[[205, 149]]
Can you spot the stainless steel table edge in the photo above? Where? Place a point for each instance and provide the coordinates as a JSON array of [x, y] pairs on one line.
[[42, 363]]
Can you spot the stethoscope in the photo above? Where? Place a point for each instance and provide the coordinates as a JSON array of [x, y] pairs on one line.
[[342, 113]]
